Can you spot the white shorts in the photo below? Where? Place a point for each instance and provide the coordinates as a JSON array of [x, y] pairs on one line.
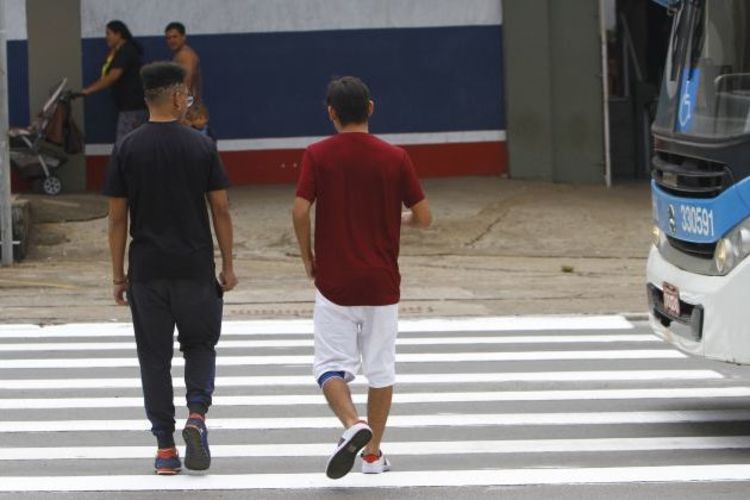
[[347, 338]]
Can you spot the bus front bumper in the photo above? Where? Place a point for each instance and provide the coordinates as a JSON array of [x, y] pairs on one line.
[[715, 310]]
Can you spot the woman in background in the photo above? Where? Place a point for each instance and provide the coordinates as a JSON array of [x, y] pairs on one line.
[[121, 72]]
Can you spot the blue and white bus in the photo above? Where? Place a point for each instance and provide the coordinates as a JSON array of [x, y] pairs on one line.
[[698, 269]]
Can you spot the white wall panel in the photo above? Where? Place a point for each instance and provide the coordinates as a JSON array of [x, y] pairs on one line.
[[15, 19], [148, 18]]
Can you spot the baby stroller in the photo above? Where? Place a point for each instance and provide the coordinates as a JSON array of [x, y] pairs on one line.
[[31, 152]]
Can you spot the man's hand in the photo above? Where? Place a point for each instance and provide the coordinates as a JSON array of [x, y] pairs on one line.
[[118, 236], [118, 293], [419, 216], [310, 268], [301, 220], [219, 202], [228, 280]]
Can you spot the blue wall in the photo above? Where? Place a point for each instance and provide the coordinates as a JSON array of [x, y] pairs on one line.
[[18, 83], [273, 84]]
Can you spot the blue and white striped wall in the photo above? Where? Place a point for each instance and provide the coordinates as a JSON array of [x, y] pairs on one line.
[[434, 67]]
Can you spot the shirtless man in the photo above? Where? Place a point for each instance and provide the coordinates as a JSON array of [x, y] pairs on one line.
[[186, 57]]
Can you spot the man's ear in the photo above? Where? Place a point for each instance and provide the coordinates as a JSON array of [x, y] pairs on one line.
[[332, 114], [180, 104], [370, 108]]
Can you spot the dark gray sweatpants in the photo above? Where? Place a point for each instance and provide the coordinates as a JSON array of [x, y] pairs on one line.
[[195, 308]]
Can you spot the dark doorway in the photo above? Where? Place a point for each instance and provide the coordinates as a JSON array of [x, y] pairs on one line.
[[637, 48]]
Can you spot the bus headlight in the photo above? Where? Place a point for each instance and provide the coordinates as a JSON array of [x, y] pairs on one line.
[[743, 240], [733, 248], [724, 256], [656, 234], [659, 238]]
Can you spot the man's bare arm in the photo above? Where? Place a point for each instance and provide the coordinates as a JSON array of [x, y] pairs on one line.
[[419, 216], [189, 61], [301, 220], [222, 219], [118, 237]]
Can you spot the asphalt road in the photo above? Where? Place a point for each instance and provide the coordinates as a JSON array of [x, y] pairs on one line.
[[555, 407]]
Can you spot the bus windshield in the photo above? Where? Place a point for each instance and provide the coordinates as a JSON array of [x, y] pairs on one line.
[[706, 86]]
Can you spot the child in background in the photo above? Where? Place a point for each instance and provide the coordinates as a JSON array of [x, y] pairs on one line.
[[198, 117]]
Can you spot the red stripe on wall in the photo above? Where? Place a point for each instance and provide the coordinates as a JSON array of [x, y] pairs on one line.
[[263, 167], [96, 167], [453, 160], [17, 183], [282, 166]]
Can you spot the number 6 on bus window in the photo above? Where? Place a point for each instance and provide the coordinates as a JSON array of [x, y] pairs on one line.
[[686, 106]]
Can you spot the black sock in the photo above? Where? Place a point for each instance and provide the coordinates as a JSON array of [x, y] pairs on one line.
[[165, 440], [198, 408]]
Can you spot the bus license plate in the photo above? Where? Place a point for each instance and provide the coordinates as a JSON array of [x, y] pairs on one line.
[[671, 300]]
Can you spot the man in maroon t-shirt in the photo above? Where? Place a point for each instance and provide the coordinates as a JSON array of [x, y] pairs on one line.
[[360, 184]]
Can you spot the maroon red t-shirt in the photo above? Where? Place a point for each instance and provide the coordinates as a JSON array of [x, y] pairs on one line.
[[359, 184]]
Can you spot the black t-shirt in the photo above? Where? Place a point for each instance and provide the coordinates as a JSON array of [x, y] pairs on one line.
[[127, 91], [165, 171]]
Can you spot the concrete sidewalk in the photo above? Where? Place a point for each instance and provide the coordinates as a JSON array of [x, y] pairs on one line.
[[498, 247]]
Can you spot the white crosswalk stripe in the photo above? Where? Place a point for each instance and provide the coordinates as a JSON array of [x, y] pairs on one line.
[[245, 344], [409, 378], [513, 401], [294, 327], [454, 357], [410, 448], [399, 398], [406, 421], [435, 478]]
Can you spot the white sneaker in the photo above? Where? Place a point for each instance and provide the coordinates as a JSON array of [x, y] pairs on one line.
[[373, 464], [352, 440]]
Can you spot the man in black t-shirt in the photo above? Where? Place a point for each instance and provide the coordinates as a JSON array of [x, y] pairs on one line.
[[161, 175]]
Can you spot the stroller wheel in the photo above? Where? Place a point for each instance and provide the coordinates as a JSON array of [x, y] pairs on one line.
[[52, 185]]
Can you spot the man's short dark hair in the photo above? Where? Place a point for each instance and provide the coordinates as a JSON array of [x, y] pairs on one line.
[[350, 98], [175, 26], [160, 76]]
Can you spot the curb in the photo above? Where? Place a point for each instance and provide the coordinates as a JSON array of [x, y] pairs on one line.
[[21, 227], [635, 316]]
